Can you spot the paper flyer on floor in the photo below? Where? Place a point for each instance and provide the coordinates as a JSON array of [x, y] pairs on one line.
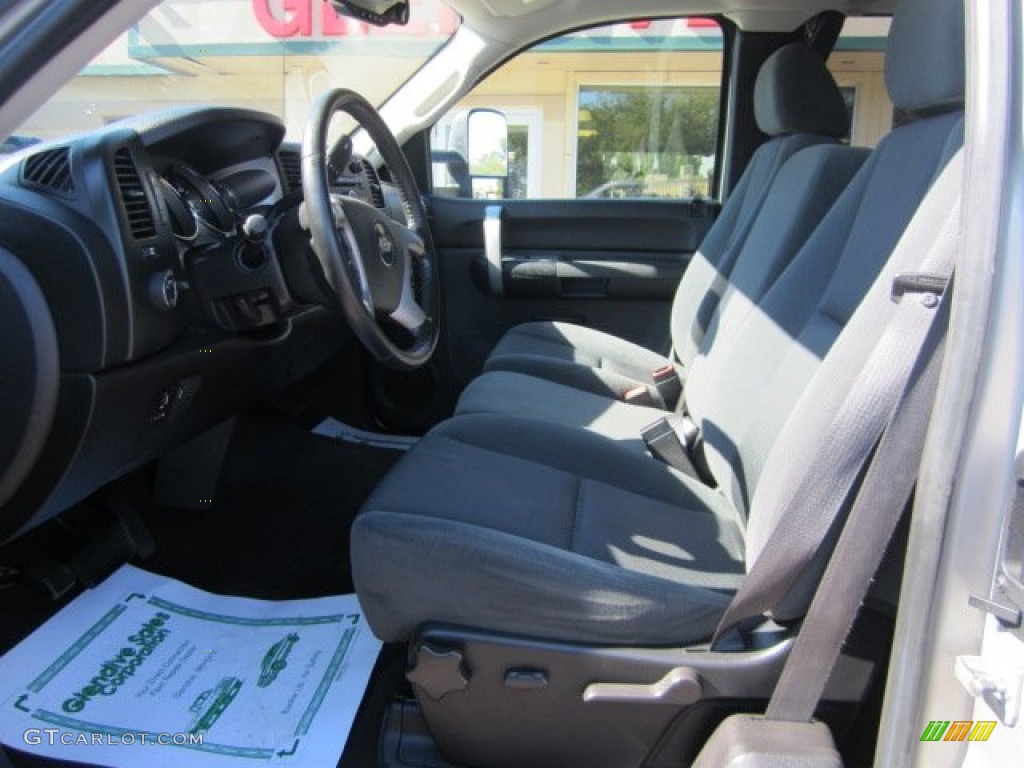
[[145, 670]]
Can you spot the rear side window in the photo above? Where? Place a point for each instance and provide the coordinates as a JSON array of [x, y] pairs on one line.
[[628, 110], [858, 65]]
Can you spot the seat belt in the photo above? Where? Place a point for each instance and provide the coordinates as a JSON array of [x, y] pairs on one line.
[[786, 734], [873, 387], [664, 391], [883, 495]]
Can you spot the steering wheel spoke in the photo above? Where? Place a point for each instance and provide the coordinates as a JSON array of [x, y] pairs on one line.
[[409, 314], [354, 259], [413, 242]]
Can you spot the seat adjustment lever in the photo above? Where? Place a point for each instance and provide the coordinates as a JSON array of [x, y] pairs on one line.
[[679, 687]]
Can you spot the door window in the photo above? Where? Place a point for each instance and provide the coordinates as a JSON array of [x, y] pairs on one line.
[[858, 65], [624, 110], [632, 110], [645, 141]]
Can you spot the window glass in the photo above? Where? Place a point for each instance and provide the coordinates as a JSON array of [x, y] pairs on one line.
[[624, 110], [651, 141], [858, 65], [272, 55]]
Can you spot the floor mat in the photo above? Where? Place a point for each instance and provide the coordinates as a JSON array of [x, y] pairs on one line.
[[339, 430], [277, 528], [146, 669]]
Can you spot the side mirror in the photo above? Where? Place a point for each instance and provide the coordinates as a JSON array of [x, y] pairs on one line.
[[487, 143], [476, 153]]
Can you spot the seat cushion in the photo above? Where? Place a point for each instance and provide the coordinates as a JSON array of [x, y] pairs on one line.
[[544, 531], [576, 356], [516, 394]]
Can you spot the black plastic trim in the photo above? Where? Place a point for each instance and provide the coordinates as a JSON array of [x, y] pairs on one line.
[[41, 36]]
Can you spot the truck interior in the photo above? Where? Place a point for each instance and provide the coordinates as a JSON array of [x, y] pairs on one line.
[[594, 444]]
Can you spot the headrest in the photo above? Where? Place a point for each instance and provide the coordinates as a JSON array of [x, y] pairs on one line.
[[795, 93], [924, 58]]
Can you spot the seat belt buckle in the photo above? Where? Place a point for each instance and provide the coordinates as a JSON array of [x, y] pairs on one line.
[[640, 395], [687, 430], [671, 444], [931, 286], [667, 382], [664, 373]]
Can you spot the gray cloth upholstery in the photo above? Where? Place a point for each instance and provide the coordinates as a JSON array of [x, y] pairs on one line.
[[605, 547], [599, 362], [795, 93], [576, 356], [510, 393], [803, 192], [742, 392], [533, 527], [710, 271], [924, 59]]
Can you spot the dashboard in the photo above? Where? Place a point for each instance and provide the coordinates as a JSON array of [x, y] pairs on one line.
[[165, 281]]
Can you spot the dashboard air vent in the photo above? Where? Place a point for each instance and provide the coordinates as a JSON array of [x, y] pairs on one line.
[[291, 166], [133, 196], [50, 169], [374, 181]]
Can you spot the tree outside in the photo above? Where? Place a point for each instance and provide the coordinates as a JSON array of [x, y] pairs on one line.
[[644, 141]]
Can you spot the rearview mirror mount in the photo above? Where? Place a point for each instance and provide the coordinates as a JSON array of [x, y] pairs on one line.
[[380, 13]]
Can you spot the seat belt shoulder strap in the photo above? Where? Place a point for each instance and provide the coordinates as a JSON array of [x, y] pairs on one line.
[[876, 512], [866, 386]]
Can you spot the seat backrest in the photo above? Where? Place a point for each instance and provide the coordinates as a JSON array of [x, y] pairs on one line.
[[798, 104], [742, 393], [804, 190]]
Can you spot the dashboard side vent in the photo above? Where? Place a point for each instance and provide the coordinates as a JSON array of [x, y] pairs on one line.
[[50, 169], [374, 181], [291, 166], [133, 196]]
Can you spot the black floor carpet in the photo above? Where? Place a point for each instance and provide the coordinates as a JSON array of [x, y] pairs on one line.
[[277, 528], [278, 525]]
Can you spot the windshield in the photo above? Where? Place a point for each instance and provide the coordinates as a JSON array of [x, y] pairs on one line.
[[271, 55]]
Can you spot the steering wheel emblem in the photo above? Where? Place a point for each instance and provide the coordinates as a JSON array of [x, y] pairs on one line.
[[385, 246]]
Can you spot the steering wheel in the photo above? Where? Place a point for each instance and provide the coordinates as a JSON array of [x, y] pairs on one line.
[[383, 273]]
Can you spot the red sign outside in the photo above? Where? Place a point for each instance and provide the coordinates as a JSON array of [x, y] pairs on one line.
[[302, 18]]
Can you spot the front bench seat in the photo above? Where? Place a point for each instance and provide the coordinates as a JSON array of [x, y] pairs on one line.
[[801, 194], [551, 532], [796, 103], [547, 530], [749, 371]]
